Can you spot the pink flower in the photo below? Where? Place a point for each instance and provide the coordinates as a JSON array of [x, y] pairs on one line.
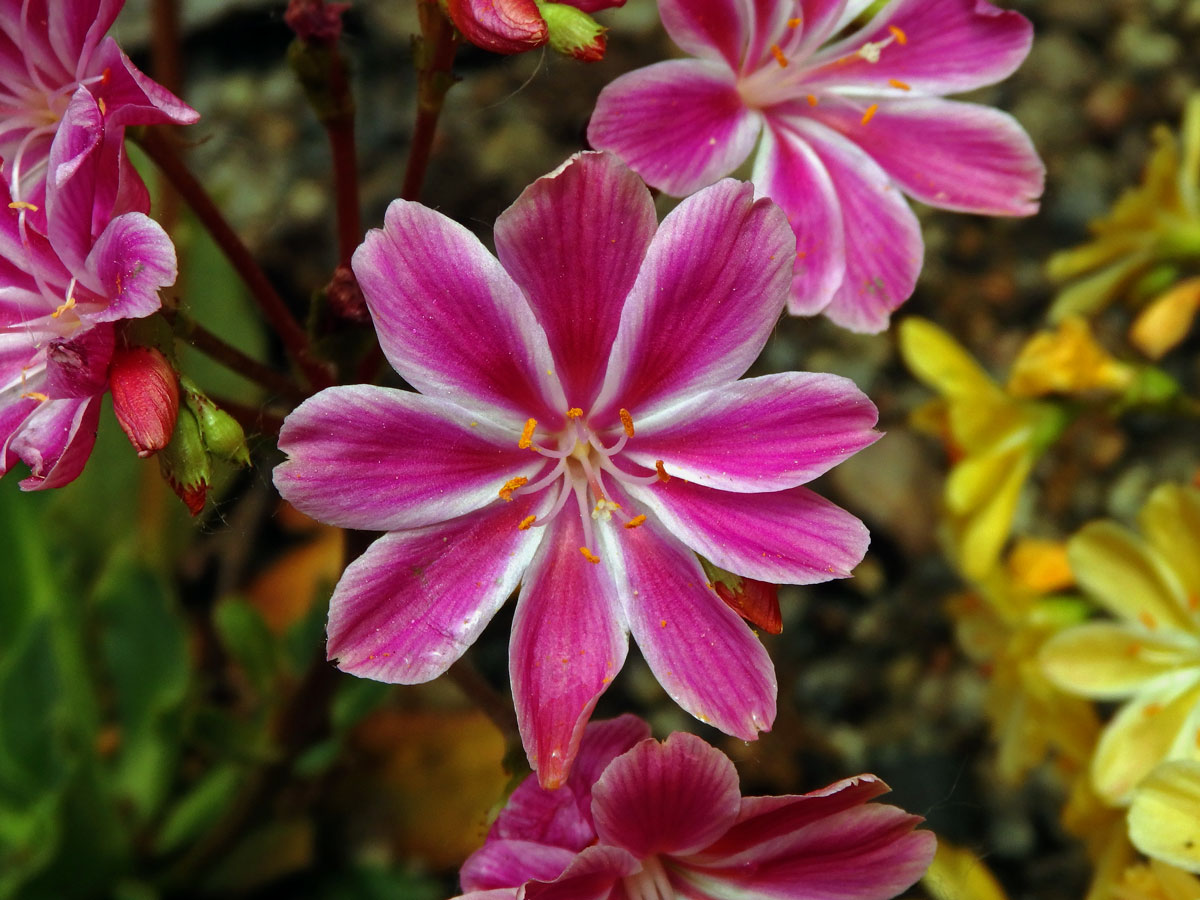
[[846, 128], [60, 293], [561, 388], [48, 50], [639, 818]]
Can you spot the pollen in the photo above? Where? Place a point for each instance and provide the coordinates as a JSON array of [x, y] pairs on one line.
[[604, 509], [812, 100], [103, 106], [898, 34], [870, 51], [1148, 620], [777, 52], [899, 85], [511, 485], [70, 304], [21, 204], [793, 23], [574, 413], [626, 421], [526, 522], [526, 440], [35, 395], [870, 113], [589, 556], [635, 521], [662, 473]]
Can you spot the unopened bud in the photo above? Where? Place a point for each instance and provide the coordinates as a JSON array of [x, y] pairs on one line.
[[573, 32], [755, 601], [1167, 319], [346, 297], [145, 393], [184, 462], [223, 437], [315, 21], [502, 26]]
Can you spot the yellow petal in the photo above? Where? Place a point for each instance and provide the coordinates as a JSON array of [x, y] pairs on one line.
[[1167, 319], [1164, 819], [1107, 661], [939, 361], [1171, 522], [1066, 360], [1093, 293], [981, 535], [958, 874], [1127, 577], [1040, 566]]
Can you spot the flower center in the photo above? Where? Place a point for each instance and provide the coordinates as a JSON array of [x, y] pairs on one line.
[[651, 883], [582, 463]]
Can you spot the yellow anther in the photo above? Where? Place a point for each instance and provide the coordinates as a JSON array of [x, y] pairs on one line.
[[103, 106], [898, 34], [589, 555], [1146, 619], [511, 485], [21, 204], [662, 473], [35, 395], [573, 413], [70, 304], [870, 51], [526, 440], [777, 52], [812, 100], [526, 522], [794, 23], [635, 521], [626, 421], [870, 113], [900, 85], [1152, 709]]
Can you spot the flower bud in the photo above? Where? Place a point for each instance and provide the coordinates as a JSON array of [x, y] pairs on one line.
[[1167, 319], [1066, 361], [184, 462], [755, 601], [223, 437], [502, 26], [145, 393], [573, 32]]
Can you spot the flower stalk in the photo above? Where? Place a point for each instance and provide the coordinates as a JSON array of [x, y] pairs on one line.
[[435, 56]]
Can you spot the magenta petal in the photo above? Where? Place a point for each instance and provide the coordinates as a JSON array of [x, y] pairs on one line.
[[790, 173], [576, 270], [412, 604], [56, 441], [676, 797], [707, 298], [883, 242], [785, 537], [711, 29], [510, 863], [592, 876], [960, 156], [381, 459], [699, 649], [819, 21], [132, 260], [950, 46], [680, 124], [759, 434], [451, 320], [567, 644], [132, 98], [71, 180]]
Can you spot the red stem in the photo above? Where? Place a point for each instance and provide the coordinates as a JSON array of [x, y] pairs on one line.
[[433, 80], [340, 129]]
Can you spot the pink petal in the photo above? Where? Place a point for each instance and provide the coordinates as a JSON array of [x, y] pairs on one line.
[[788, 171], [676, 797], [576, 270], [511, 863], [883, 245], [75, 28], [131, 97], [680, 124], [451, 321], [592, 876], [71, 181], [699, 649], [953, 155], [132, 260], [381, 459], [591, 6], [705, 302], [567, 644], [758, 434], [56, 441], [785, 537], [496, 894], [711, 29], [820, 20], [949, 46], [865, 853], [412, 604], [78, 368]]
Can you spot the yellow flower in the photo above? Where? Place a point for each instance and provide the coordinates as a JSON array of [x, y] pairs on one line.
[[1151, 655], [1156, 223], [958, 874], [1164, 818], [1066, 361], [1156, 881], [1167, 319], [993, 437]]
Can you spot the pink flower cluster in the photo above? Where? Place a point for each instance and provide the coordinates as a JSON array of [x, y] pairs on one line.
[[78, 253], [644, 819]]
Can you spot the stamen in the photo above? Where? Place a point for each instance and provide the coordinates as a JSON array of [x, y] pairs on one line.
[[777, 52], [526, 522], [103, 106], [604, 509], [589, 555], [1147, 619], [897, 83], [636, 521], [626, 421], [793, 23], [21, 204], [662, 473], [527, 434], [898, 34], [70, 304], [511, 485], [870, 113], [870, 51], [35, 395], [812, 100], [574, 413]]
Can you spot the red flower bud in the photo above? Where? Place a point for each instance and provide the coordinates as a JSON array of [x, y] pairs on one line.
[[315, 21], [755, 601], [145, 392], [502, 26]]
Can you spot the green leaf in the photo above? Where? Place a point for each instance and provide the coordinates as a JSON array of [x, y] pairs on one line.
[[249, 641], [200, 807]]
